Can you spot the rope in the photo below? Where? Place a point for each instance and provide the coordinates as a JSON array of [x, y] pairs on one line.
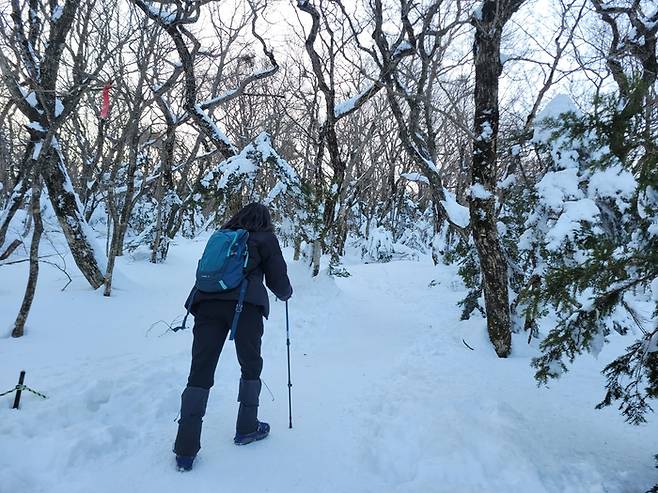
[[24, 387]]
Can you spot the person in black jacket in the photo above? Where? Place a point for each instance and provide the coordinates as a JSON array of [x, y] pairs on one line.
[[213, 314]]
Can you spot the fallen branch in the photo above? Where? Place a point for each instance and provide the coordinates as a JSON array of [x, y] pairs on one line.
[[62, 269], [25, 260]]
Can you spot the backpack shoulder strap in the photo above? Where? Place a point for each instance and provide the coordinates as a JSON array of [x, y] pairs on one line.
[[238, 308]]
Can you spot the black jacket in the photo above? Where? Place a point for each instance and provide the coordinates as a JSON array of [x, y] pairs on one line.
[[265, 261]]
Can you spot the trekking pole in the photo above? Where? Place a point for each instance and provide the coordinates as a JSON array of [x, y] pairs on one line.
[[289, 382]]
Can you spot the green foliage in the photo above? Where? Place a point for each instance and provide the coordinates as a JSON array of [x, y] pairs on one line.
[[583, 272], [632, 379], [590, 282], [469, 271]]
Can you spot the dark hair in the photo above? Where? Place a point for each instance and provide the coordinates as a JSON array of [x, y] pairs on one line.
[[252, 217]]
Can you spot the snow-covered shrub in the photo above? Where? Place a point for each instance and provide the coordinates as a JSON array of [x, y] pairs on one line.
[[579, 227], [590, 252], [236, 177], [415, 228], [379, 245], [142, 221]]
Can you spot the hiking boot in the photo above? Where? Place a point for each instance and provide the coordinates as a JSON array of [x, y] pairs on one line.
[[261, 432], [184, 462]]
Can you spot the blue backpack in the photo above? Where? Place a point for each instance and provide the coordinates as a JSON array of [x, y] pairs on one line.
[[222, 267]]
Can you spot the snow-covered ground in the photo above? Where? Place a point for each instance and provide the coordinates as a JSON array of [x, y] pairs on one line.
[[386, 396]]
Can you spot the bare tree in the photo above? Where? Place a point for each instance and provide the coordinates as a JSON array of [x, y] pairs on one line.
[[37, 42], [489, 23], [338, 36], [30, 289], [412, 98], [638, 46]]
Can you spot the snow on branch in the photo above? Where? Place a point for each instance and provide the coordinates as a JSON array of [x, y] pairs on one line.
[[58, 11], [268, 153], [231, 94], [249, 161], [217, 134], [277, 190], [457, 213], [355, 102], [342, 109], [478, 191], [188, 13], [164, 16], [256, 75], [415, 177]]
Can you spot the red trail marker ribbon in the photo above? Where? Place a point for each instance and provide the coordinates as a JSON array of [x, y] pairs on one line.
[[105, 106]]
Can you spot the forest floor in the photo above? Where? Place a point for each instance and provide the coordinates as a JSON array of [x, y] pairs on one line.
[[386, 395]]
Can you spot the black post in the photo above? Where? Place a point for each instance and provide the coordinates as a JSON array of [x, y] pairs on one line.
[[21, 381], [289, 382]]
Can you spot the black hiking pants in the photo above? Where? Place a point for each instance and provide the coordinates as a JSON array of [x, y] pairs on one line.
[[212, 323]]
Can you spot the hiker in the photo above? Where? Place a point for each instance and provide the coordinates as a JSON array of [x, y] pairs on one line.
[[214, 314]]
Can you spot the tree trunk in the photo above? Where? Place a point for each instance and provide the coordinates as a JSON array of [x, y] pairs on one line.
[[89, 167], [298, 249], [160, 244], [315, 257], [14, 203], [160, 247], [19, 325], [338, 239], [489, 23], [50, 160], [69, 214], [122, 217], [18, 194], [166, 194], [10, 249], [111, 260]]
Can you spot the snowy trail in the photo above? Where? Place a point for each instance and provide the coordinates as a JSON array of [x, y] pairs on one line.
[[386, 397]]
